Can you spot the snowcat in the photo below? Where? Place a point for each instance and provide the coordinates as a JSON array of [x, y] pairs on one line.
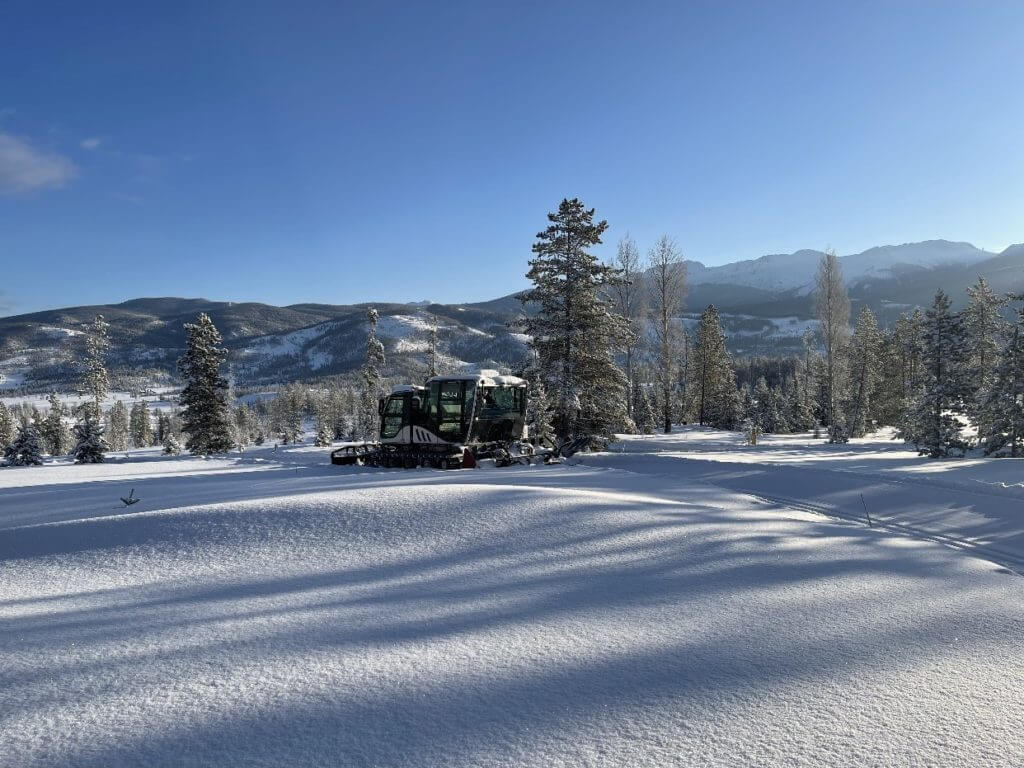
[[453, 421]]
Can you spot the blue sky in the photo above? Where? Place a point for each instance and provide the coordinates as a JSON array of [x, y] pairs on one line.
[[341, 152]]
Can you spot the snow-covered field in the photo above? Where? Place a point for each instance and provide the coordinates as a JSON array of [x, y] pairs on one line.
[[271, 610], [972, 502]]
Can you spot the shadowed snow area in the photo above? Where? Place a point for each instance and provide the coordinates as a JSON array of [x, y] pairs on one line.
[[272, 610], [974, 502]]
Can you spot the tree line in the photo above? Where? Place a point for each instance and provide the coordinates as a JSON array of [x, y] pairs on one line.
[[611, 354]]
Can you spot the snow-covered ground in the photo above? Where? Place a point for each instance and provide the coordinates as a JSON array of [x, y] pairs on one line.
[[972, 502], [269, 609]]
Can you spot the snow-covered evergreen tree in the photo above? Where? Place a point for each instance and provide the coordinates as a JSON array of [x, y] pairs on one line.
[[715, 393], [26, 449], [140, 425], [576, 331], [206, 416], [644, 410], [6, 427], [245, 421], [118, 430], [1004, 405], [289, 408], [96, 380], [985, 329], [323, 421], [172, 447], [768, 413], [54, 429], [799, 408], [432, 349], [538, 410], [935, 426], [371, 381], [864, 373], [89, 443]]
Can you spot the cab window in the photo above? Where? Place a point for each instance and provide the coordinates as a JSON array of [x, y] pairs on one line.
[[391, 423]]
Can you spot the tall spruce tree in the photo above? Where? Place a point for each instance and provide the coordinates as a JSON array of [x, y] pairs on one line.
[[864, 373], [832, 304], [1004, 406], [432, 350], [6, 427], [118, 427], [667, 276], [54, 430], [96, 380], [371, 381], [935, 426], [538, 410], [139, 425], [985, 329], [206, 416], [644, 410], [576, 331], [715, 393]]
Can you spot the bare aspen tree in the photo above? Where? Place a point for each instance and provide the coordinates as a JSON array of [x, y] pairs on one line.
[[628, 298], [833, 308], [667, 274]]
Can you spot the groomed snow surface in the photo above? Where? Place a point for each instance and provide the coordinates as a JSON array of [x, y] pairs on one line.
[[269, 609]]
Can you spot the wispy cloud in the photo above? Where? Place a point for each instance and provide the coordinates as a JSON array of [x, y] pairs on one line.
[[24, 168], [93, 142]]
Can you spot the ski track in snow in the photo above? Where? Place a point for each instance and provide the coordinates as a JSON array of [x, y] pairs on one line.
[[270, 609]]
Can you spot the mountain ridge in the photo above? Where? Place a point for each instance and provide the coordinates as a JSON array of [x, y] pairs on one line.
[[761, 310]]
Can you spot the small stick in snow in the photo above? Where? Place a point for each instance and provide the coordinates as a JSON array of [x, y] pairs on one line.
[[130, 499], [868, 514]]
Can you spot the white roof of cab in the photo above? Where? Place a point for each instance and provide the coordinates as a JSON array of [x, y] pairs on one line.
[[484, 378]]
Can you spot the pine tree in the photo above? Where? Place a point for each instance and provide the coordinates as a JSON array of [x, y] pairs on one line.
[[96, 381], [171, 445], [244, 425], [432, 350], [26, 449], [538, 410], [576, 331], [716, 396], [140, 425], [1004, 404], [118, 430], [768, 411], [206, 417], [645, 419], [667, 276], [833, 309], [371, 381], [800, 410], [6, 427], [54, 430], [288, 412], [985, 329], [89, 442], [935, 426], [322, 420], [865, 350]]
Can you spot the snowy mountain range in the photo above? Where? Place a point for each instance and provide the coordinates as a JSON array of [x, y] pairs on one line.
[[766, 307]]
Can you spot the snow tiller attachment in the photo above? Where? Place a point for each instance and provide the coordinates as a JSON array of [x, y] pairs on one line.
[[452, 422]]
